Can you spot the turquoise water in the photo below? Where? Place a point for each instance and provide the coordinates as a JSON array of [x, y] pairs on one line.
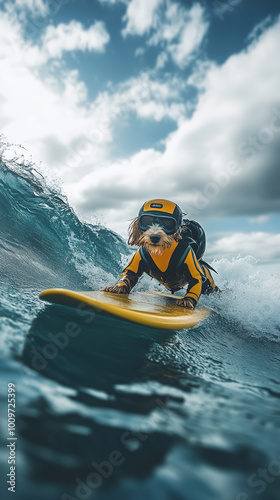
[[110, 410]]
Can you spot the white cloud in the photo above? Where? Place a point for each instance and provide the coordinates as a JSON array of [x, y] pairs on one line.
[[28, 11], [141, 16], [140, 51], [73, 36], [236, 102], [53, 112], [50, 111], [113, 1], [178, 30], [193, 30], [261, 219], [33, 5], [146, 97], [53, 43], [162, 59], [261, 245], [259, 29]]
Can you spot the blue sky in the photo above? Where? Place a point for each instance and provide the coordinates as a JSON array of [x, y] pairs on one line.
[[127, 100]]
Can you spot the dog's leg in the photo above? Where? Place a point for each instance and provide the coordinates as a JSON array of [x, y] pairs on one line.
[[118, 288], [186, 302]]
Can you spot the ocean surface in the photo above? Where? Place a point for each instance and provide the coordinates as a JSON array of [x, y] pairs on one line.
[[113, 411]]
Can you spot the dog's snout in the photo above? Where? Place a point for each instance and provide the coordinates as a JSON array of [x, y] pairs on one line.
[[155, 238]]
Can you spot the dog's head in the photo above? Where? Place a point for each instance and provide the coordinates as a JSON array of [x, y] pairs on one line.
[[156, 227]]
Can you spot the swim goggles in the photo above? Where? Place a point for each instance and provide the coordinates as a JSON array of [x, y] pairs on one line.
[[169, 224]]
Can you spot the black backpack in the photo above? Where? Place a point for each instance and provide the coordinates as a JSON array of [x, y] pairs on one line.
[[194, 235]]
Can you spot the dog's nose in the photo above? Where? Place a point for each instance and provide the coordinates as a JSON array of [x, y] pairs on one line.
[[155, 238]]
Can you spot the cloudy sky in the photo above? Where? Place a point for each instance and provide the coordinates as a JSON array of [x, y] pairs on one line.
[[127, 100]]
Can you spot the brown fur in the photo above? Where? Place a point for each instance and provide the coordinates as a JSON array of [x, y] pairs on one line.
[[164, 242], [140, 238], [184, 302], [134, 232], [115, 289]]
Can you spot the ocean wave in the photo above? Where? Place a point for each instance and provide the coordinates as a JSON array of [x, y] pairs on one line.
[[42, 241], [251, 295]]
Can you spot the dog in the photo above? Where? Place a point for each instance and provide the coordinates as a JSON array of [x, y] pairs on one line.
[[170, 250]]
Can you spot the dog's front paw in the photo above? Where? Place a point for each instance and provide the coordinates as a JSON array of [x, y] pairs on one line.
[[185, 302], [116, 289]]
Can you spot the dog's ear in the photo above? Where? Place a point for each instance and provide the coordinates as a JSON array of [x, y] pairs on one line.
[[134, 232]]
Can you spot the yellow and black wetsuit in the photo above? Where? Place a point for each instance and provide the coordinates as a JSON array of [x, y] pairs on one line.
[[176, 267]]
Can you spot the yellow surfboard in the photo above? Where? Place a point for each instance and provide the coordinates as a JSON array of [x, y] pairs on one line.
[[157, 310]]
